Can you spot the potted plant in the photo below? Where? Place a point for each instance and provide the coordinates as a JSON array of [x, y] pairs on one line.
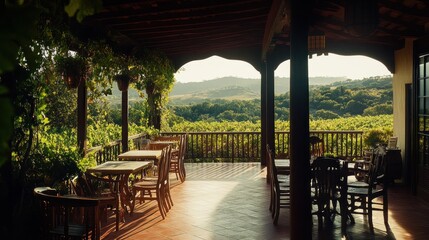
[[375, 137], [124, 79], [71, 69]]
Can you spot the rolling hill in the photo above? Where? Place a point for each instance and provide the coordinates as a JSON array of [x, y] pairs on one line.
[[232, 88], [228, 88]]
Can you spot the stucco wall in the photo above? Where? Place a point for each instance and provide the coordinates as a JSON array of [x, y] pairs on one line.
[[403, 75]]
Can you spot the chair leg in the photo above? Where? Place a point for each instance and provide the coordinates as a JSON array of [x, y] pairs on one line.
[[385, 211], [274, 205], [271, 199], [161, 209], [276, 209], [371, 225], [344, 216]]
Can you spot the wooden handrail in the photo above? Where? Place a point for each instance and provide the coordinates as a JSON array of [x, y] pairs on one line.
[[246, 146], [240, 146], [111, 150]]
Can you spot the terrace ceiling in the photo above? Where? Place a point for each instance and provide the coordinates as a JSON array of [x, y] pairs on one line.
[[187, 30]]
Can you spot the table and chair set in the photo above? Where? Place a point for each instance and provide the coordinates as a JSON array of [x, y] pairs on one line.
[[338, 187], [138, 176]]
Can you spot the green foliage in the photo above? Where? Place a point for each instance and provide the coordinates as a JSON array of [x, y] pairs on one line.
[[325, 114], [378, 110], [156, 78], [377, 136], [363, 123], [55, 157], [75, 65], [226, 126], [371, 96], [354, 107], [61, 105], [83, 8], [102, 133], [220, 110]]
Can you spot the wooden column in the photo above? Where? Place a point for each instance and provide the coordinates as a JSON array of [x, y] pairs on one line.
[[270, 104], [299, 123], [82, 112], [263, 114], [124, 120]]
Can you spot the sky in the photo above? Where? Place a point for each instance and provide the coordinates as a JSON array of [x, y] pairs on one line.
[[352, 67]]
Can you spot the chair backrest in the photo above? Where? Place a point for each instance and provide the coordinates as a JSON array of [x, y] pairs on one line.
[[316, 146], [164, 165], [81, 186], [68, 216], [167, 165], [377, 173], [182, 148], [271, 168], [157, 146], [167, 138], [328, 178]]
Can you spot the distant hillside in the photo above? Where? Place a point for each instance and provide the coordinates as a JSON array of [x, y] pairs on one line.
[[227, 93], [228, 88], [116, 97], [233, 88]]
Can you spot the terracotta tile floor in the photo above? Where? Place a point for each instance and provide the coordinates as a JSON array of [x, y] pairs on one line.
[[230, 201]]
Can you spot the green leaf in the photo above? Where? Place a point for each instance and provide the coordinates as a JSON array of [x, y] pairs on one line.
[[83, 8], [72, 7]]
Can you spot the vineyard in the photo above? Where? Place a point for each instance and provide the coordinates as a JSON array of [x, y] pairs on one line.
[[362, 123]]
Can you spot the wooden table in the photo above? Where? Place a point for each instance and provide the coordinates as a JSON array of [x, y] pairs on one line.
[[141, 155], [282, 165], [121, 170]]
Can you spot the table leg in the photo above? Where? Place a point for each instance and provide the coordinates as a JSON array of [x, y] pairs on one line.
[[126, 195]]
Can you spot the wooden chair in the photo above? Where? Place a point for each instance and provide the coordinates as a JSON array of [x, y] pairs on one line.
[[68, 216], [157, 188], [362, 197], [106, 188], [361, 170], [316, 147], [156, 146], [167, 138], [280, 190], [329, 184], [178, 160]]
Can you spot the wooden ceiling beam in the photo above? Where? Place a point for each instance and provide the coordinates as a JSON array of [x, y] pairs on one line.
[[204, 48], [242, 20], [405, 10], [192, 35], [412, 29], [196, 26], [143, 9], [276, 19]]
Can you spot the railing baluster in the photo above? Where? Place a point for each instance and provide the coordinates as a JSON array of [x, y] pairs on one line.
[[245, 146]]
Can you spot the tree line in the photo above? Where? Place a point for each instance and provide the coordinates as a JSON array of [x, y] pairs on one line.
[[367, 97]]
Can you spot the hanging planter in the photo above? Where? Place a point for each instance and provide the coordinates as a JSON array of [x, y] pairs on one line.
[[72, 70], [124, 79]]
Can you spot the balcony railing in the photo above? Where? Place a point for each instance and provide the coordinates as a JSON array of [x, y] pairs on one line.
[[238, 146], [110, 151], [246, 146]]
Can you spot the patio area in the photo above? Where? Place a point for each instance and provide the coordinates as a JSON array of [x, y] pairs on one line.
[[230, 201]]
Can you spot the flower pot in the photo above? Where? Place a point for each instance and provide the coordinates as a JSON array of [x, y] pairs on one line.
[[72, 80], [72, 70], [123, 81]]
